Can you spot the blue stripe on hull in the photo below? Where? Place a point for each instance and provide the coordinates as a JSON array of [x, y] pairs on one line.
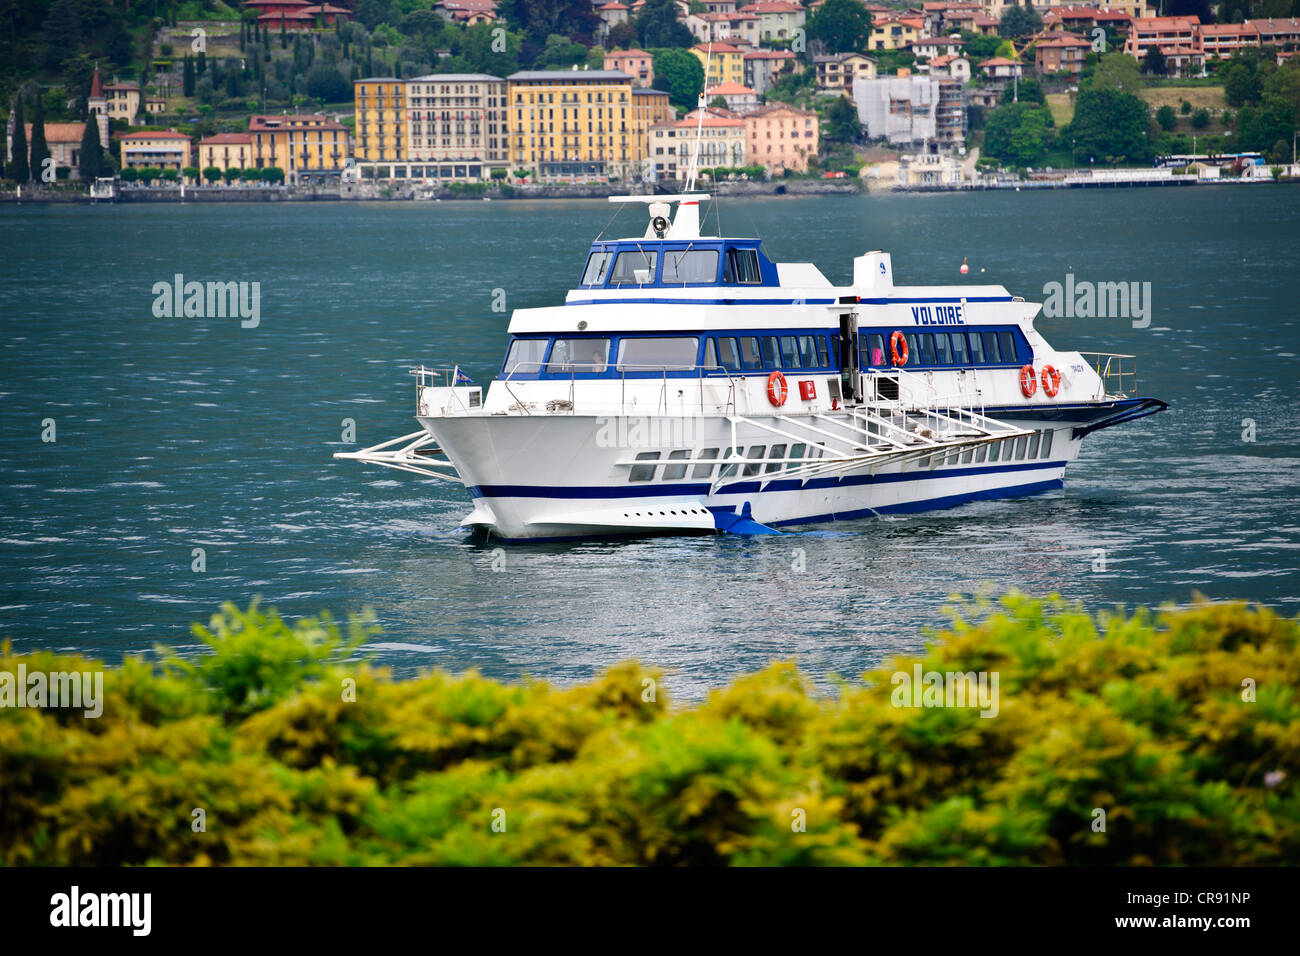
[[742, 487], [931, 504]]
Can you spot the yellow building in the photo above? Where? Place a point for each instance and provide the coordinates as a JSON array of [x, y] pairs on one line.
[[381, 119], [165, 149], [895, 33], [308, 147], [226, 151], [726, 63], [574, 123], [123, 100]]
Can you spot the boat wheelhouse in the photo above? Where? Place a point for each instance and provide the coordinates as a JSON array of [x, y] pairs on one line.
[[689, 383]]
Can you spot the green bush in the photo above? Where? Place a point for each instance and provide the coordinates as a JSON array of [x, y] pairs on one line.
[[1182, 726]]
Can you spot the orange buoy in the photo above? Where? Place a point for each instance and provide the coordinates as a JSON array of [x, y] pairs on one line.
[[898, 348], [777, 390], [1051, 381]]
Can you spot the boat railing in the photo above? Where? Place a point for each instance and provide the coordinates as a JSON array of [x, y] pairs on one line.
[[1118, 372], [642, 373]]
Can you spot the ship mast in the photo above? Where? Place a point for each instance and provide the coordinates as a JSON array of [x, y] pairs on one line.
[[699, 122]]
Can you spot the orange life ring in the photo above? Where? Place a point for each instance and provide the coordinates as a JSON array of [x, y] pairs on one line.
[[1051, 381], [777, 390], [895, 340], [1028, 381]]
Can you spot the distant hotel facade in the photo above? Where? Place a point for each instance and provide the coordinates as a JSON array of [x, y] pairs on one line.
[[561, 124]]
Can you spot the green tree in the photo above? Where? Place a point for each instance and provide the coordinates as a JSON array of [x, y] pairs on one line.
[[1185, 108], [1167, 118], [273, 174], [1116, 71], [187, 77], [1200, 119], [1028, 90], [622, 36], [679, 73], [1111, 125], [658, 26], [1156, 64], [1241, 83], [149, 173], [231, 174], [212, 174], [1018, 133], [843, 125], [18, 168], [191, 173], [40, 151], [1019, 22], [327, 84], [91, 160], [842, 25]]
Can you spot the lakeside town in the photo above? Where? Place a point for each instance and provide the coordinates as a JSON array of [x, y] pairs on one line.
[[470, 98]]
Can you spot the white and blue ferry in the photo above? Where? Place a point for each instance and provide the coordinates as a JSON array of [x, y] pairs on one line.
[[691, 384]]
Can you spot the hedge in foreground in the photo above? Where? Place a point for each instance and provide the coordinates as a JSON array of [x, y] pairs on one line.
[[1181, 729]]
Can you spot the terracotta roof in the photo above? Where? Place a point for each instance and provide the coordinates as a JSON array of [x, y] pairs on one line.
[[58, 132], [633, 52], [1062, 43], [160, 134], [96, 86], [612, 6], [725, 89], [997, 61], [770, 55], [717, 48], [222, 138], [772, 6]]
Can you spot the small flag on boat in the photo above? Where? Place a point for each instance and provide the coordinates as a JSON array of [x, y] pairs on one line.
[[462, 379]]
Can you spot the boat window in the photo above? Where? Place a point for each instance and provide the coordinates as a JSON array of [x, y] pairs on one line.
[[991, 350], [1020, 448], [808, 351], [976, 349], [789, 353], [597, 268], [691, 266], [776, 455], [755, 451], [926, 353], [965, 456], [634, 268], [1008, 343], [742, 267], [1033, 445], [579, 355], [727, 471], [673, 472], [526, 355], [710, 354], [822, 353], [673, 353], [704, 471], [959, 348], [876, 342], [1047, 443], [942, 350], [835, 350], [913, 348], [749, 357], [980, 452], [993, 450], [728, 354], [644, 472], [771, 354]]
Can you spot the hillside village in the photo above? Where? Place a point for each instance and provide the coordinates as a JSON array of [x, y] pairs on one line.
[[479, 93]]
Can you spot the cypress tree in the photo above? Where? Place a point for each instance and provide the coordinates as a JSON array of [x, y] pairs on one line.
[[284, 36], [40, 151], [18, 168], [202, 66], [187, 77], [91, 162]]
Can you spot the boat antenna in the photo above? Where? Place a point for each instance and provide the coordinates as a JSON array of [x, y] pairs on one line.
[[699, 123]]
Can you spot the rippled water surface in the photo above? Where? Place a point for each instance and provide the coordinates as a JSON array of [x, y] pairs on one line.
[[175, 434]]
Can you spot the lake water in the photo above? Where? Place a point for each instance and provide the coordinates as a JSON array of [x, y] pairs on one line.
[[175, 434]]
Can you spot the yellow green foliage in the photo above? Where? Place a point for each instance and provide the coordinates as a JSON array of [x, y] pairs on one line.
[[1182, 727]]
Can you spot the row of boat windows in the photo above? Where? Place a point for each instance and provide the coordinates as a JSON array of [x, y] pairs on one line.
[[590, 355], [680, 267], [819, 351], [992, 347], [767, 460]]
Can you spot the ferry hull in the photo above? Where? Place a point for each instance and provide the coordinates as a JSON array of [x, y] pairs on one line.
[[562, 477]]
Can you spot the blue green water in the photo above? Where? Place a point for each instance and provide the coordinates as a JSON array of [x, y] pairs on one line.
[[176, 433]]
